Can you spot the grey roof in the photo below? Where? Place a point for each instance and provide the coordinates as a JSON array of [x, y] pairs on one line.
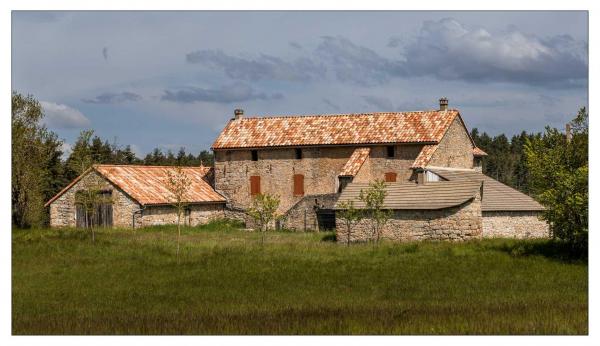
[[496, 196], [433, 195]]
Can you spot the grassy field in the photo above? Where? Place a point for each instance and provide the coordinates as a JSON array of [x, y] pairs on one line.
[[129, 282]]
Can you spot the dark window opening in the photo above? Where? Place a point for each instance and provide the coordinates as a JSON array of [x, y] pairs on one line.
[[254, 155], [390, 151], [298, 152]]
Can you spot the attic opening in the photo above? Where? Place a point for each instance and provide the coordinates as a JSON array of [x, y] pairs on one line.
[[254, 155], [391, 151], [298, 153]]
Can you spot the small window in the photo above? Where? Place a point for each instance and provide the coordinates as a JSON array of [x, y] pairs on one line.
[[298, 153], [254, 155], [391, 151], [254, 185], [390, 177], [298, 185]]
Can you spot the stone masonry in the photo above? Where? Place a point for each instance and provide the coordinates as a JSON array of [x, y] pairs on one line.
[[514, 224], [63, 210], [455, 149], [458, 223]]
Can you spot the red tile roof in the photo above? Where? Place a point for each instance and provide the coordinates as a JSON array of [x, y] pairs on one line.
[[340, 129], [479, 152], [424, 156], [355, 162], [148, 184]]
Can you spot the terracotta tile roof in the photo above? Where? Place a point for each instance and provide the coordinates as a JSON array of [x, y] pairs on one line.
[[424, 156], [430, 196], [496, 196], [363, 128], [147, 184], [479, 152], [355, 162]]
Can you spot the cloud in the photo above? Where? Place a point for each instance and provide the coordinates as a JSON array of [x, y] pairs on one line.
[[449, 50], [380, 103], [354, 64], [62, 116], [112, 98], [264, 66], [237, 92], [331, 104]]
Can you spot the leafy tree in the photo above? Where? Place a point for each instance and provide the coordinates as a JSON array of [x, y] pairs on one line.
[[178, 184], [262, 210], [558, 171], [35, 161], [373, 198], [349, 215]]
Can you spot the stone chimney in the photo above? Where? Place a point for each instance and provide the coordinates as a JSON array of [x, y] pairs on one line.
[[568, 132], [443, 104], [238, 113]]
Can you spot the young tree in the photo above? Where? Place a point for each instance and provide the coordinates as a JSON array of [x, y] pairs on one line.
[[373, 199], [349, 215], [262, 210], [178, 183], [35, 159], [91, 199], [558, 170]]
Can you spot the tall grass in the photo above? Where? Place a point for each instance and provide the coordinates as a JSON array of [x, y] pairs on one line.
[[129, 282]]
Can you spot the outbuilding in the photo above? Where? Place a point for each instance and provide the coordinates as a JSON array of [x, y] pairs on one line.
[[136, 196]]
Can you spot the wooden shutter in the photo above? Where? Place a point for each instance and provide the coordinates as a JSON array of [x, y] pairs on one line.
[[390, 177], [254, 185], [298, 185]]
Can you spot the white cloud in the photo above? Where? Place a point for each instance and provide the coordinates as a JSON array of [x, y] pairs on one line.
[[58, 115]]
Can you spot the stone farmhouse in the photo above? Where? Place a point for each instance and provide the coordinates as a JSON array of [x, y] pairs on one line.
[[428, 160]]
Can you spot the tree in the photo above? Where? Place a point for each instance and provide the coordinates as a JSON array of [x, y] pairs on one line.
[[178, 184], [558, 171], [262, 210], [373, 198], [35, 160], [349, 215], [91, 199]]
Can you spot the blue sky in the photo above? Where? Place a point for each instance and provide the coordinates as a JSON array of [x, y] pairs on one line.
[[173, 79]]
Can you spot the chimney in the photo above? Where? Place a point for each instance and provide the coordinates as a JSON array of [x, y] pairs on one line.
[[238, 113], [568, 132], [443, 104]]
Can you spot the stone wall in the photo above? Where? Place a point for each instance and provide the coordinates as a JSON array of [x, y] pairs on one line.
[[514, 224], [320, 167], [63, 211], [455, 149], [458, 223], [198, 214], [303, 216]]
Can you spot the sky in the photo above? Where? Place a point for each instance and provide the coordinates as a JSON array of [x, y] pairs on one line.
[[173, 79]]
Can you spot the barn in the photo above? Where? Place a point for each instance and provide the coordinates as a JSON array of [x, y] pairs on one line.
[[136, 196]]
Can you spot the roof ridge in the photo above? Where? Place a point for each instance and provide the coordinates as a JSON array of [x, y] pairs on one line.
[[253, 117], [146, 166]]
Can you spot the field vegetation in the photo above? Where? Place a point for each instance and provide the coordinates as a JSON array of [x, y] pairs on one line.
[[228, 282]]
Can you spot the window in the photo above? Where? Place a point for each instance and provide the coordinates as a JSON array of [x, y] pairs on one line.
[[298, 153], [254, 155], [390, 151], [390, 177], [298, 185], [254, 185]]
